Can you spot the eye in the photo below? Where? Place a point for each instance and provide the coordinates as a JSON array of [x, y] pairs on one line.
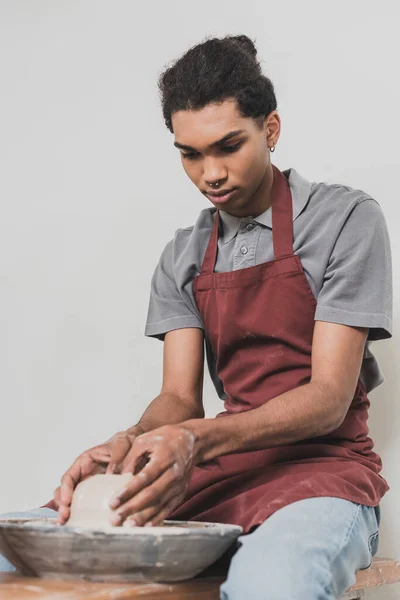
[[231, 148], [226, 149]]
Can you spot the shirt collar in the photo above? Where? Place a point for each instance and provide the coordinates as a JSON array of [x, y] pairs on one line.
[[300, 188]]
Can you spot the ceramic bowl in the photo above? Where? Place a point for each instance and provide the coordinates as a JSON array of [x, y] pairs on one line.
[[177, 551]]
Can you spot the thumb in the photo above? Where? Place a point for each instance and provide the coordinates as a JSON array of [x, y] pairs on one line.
[[138, 455], [120, 446], [57, 497]]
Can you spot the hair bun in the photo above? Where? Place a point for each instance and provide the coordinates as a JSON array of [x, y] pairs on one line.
[[246, 43]]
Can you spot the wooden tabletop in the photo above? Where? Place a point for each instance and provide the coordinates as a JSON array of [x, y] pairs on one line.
[[17, 587]]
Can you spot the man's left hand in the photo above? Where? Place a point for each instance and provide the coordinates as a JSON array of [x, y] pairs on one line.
[[160, 485]]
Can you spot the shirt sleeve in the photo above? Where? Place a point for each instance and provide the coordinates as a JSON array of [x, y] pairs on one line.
[[357, 286], [169, 306]]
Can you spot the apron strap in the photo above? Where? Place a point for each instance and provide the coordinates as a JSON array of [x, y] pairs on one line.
[[210, 257], [282, 224], [282, 215]]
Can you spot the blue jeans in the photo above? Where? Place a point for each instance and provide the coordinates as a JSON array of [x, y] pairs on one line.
[[308, 550]]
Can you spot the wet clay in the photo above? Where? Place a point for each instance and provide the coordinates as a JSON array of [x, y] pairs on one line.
[[90, 501]]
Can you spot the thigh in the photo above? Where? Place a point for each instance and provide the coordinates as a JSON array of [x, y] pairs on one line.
[[308, 550], [36, 513]]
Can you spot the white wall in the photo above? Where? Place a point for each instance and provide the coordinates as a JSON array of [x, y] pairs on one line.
[[91, 189]]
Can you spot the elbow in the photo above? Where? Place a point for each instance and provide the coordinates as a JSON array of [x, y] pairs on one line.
[[194, 402], [198, 412], [341, 404], [337, 403], [194, 406], [334, 423]]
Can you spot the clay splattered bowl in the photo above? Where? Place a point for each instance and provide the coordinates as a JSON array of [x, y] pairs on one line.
[[177, 551]]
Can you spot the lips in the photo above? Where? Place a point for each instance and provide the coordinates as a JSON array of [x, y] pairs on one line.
[[219, 197], [220, 193]]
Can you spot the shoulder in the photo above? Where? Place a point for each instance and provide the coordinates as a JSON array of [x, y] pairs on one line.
[[193, 238], [334, 204], [340, 196], [187, 248]]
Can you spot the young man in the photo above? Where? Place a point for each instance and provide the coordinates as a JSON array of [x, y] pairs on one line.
[[284, 282]]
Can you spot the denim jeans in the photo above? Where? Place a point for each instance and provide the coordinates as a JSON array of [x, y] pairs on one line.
[[308, 550]]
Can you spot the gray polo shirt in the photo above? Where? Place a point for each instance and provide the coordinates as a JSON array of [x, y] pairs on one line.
[[341, 238]]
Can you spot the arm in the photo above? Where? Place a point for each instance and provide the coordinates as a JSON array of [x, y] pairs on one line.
[[309, 411], [180, 399], [312, 410], [181, 396]]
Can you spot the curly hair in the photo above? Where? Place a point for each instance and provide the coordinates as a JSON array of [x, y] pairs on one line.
[[213, 71]]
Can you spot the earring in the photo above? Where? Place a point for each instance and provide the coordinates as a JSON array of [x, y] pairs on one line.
[[272, 149]]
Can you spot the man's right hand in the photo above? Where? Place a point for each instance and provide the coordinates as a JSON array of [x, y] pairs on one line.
[[106, 458]]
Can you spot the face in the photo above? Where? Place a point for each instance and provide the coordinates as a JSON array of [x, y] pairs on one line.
[[217, 144]]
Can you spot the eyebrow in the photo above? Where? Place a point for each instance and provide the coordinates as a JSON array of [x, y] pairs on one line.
[[226, 137]]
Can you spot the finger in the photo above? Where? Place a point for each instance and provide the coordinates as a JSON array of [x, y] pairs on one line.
[[139, 448], [57, 502], [71, 478], [150, 495], [119, 448], [150, 473], [143, 517], [159, 518], [88, 463], [141, 463], [139, 519], [63, 514], [112, 468], [145, 457], [57, 497], [96, 470], [68, 483], [64, 511]]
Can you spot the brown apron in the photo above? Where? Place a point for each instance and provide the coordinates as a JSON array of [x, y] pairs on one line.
[[259, 321]]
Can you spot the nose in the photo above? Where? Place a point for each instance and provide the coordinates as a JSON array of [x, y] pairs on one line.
[[214, 172]]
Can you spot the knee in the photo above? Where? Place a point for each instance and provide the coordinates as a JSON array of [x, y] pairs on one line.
[[276, 575]]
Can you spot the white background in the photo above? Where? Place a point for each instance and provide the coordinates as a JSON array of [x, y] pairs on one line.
[[92, 188]]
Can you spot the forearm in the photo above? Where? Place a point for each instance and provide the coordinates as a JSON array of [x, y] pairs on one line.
[[302, 413], [168, 409]]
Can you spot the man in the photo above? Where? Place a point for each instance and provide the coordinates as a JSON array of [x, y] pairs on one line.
[[284, 281]]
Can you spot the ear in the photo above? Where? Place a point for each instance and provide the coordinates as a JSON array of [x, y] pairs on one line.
[[272, 124]]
